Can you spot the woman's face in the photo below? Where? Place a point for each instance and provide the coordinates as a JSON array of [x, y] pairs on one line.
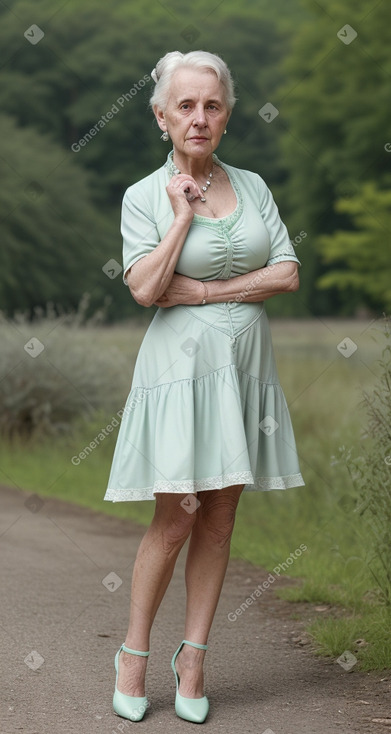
[[196, 113]]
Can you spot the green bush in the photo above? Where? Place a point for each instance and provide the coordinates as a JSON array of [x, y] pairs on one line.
[[370, 472], [54, 370]]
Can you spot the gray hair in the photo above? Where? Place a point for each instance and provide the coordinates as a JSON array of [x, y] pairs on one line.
[[166, 66]]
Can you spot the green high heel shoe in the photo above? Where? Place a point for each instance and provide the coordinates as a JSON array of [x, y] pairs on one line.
[[129, 707], [191, 709]]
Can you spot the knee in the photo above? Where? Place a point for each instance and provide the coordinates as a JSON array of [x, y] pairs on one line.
[[218, 519], [174, 525]]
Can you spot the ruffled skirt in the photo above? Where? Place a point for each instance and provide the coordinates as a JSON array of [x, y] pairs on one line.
[[205, 409]]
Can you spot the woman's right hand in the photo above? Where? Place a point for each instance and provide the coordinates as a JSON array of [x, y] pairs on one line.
[[181, 190], [149, 277]]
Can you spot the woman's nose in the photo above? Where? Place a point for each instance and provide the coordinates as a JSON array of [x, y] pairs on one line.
[[199, 116]]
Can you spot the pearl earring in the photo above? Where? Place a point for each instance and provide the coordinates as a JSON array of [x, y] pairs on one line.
[[225, 132], [165, 136]]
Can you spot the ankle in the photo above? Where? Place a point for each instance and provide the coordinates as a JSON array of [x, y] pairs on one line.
[[139, 645], [133, 661], [191, 657]]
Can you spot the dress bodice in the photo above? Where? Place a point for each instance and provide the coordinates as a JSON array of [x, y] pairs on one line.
[[249, 238]]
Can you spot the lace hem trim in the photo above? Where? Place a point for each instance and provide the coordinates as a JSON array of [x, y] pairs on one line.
[[190, 486]]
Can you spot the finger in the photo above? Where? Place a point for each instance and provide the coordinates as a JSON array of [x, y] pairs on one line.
[[192, 192], [187, 183]]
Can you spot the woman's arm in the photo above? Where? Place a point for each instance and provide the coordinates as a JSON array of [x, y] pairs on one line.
[[258, 285], [148, 277]]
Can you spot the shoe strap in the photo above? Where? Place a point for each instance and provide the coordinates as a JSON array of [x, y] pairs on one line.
[[196, 644], [135, 652]]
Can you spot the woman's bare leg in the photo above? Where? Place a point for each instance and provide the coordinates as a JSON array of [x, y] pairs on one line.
[[206, 565], [152, 572]]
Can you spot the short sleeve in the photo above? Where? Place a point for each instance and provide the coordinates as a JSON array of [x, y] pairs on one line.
[[281, 247], [138, 228]]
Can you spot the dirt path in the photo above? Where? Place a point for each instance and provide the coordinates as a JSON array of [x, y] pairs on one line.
[[61, 627]]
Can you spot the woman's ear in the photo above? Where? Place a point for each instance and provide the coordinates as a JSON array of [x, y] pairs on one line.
[[160, 119]]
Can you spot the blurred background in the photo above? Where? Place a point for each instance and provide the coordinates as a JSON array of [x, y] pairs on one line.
[[76, 131], [326, 154]]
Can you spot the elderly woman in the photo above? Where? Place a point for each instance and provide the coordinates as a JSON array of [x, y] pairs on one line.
[[206, 417]]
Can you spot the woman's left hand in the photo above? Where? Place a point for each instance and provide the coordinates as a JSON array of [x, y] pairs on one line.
[[182, 290]]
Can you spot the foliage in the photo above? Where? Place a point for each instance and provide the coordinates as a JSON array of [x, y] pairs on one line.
[[91, 56], [334, 106], [54, 371], [87, 60], [365, 636], [54, 240], [370, 473], [332, 112], [361, 256]]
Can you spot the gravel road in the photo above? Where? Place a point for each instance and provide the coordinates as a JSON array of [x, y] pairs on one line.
[[65, 587]]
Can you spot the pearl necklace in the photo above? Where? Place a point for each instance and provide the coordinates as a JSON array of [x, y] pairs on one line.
[[205, 188], [174, 171]]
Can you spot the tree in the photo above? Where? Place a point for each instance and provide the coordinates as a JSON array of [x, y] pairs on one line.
[[335, 109], [54, 242], [361, 257], [94, 54]]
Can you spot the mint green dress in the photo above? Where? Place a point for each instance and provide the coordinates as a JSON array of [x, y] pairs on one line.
[[205, 409]]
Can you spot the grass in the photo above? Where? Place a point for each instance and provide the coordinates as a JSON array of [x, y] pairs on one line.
[[363, 635], [323, 389], [46, 468]]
